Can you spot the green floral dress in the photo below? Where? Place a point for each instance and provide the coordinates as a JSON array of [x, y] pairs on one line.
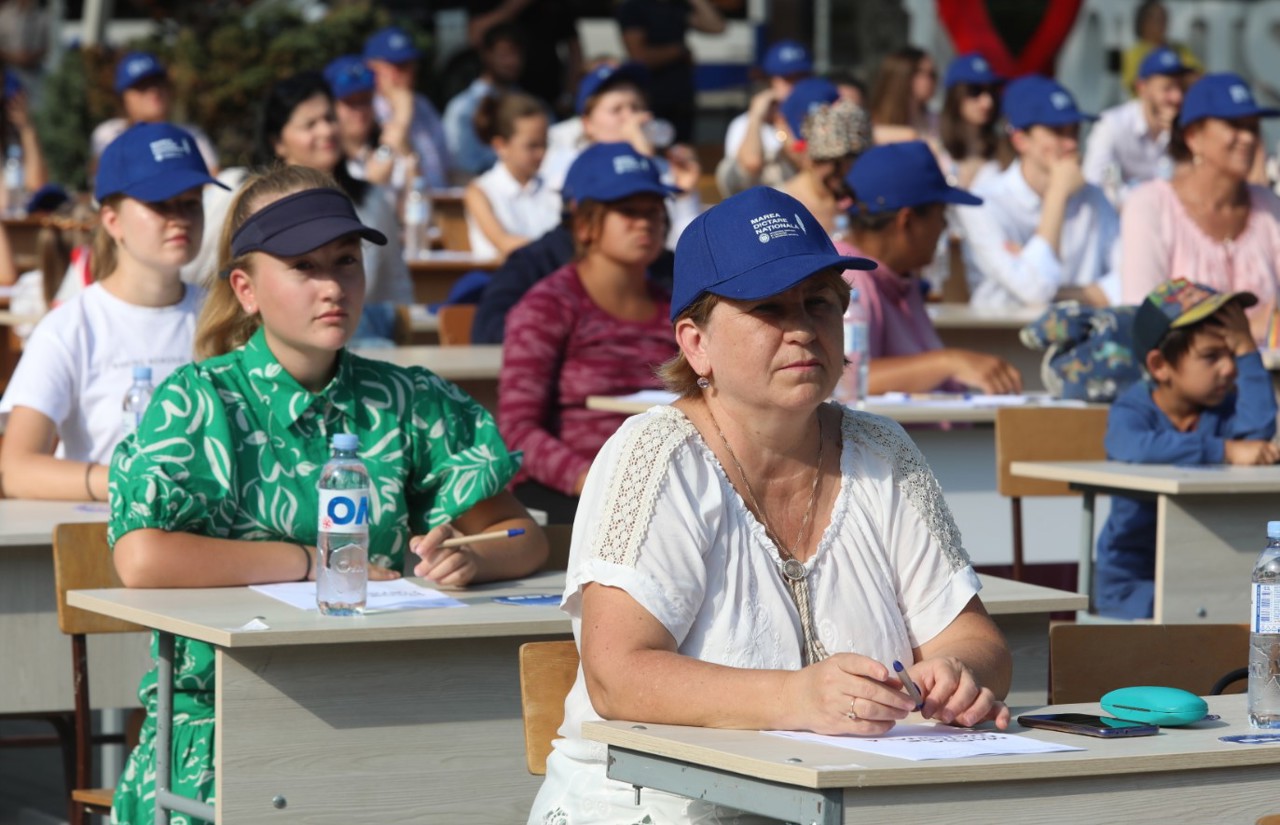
[[232, 448]]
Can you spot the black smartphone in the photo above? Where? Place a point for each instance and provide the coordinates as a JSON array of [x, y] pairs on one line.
[[1106, 727]]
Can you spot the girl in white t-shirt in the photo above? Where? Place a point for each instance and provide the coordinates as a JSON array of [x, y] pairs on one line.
[[68, 389], [510, 205]]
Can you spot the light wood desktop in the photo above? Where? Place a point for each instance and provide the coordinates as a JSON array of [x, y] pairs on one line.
[[37, 673], [421, 707], [1180, 775], [474, 368], [1211, 523]]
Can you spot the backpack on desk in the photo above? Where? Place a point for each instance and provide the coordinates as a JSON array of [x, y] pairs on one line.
[[1088, 353]]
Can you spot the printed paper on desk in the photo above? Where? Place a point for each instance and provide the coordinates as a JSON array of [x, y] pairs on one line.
[[649, 397], [396, 594], [933, 741]]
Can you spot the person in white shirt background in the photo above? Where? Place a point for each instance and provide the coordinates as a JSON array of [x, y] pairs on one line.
[[146, 96], [755, 140], [502, 56], [1042, 232], [510, 205], [393, 58], [1130, 143], [69, 385]]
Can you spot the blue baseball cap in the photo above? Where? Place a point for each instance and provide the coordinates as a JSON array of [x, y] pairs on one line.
[[1163, 60], [609, 172], [151, 162], [1223, 95], [601, 76], [47, 198], [348, 75], [752, 245], [972, 69], [787, 57], [392, 44], [136, 67], [896, 175], [1036, 100], [807, 97]]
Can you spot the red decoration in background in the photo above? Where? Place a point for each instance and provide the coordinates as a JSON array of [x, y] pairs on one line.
[[969, 25]]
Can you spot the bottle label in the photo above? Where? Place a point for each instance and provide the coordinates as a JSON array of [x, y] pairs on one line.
[[1265, 616], [344, 511]]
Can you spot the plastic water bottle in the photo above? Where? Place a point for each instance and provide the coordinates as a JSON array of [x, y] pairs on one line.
[[342, 540], [841, 230], [852, 389], [137, 398], [1264, 636], [15, 186], [417, 221]]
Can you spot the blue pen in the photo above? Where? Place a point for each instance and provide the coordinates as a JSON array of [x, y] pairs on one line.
[[910, 686], [496, 534]]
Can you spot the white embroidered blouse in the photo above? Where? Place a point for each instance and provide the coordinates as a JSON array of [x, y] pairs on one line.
[[660, 520]]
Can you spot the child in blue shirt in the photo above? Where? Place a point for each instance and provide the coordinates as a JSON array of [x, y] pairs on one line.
[[1207, 400]]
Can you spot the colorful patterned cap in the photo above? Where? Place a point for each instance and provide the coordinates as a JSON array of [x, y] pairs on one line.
[[836, 131], [1178, 303]]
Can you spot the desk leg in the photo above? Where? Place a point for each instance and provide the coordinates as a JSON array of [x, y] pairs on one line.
[[1084, 575], [1205, 550], [166, 800], [789, 803]]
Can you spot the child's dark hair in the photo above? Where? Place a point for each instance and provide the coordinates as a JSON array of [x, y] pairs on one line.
[[1176, 343], [503, 32], [496, 115]]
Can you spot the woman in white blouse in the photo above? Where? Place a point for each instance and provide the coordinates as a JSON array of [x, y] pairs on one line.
[[752, 556]]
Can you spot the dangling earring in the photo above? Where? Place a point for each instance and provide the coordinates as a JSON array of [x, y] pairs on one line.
[[703, 382], [1196, 159]]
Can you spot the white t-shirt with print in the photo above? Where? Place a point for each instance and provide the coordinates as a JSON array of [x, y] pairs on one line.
[[78, 365], [660, 520]]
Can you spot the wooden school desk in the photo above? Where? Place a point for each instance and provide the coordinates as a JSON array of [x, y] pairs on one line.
[[964, 460], [1211, 523], [413, 716], [1180, 775], [474, 368], [434, 274], [36, 655], [992, 331]]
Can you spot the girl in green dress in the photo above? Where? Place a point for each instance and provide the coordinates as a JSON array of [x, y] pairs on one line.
[[218, 486]]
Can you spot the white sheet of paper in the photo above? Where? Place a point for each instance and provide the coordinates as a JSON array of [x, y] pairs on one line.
[[649, 397], [396, 594], [932, 741]]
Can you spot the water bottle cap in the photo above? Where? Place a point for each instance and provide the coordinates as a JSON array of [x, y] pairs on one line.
[[1273, 529], [141, 373], [346, 441]]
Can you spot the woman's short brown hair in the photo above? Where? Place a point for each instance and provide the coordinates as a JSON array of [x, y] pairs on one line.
[[678, 376]]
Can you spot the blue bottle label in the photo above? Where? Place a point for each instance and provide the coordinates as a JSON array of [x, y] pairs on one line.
[[344, 511], [1265, 616]]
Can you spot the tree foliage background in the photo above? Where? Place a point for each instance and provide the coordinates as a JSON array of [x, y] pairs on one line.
[[221, 56]]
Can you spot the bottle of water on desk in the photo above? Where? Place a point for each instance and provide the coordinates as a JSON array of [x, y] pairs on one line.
[[417, 221], [1264, 637], [137, 398], [852, 388], [342, 541], [15, 187]]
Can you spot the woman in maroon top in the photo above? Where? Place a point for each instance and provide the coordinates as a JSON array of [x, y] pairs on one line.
[[597, 326]]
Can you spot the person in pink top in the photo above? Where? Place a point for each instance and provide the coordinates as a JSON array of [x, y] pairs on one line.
[[899, 211], [597, 326], [1208, 224]]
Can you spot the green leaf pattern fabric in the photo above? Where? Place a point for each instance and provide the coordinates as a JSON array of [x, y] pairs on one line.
[[232, 448]]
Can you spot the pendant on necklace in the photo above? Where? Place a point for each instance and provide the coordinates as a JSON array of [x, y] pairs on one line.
[[794, 569]]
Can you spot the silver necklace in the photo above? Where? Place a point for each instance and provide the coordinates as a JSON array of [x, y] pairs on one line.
[[794, 573]]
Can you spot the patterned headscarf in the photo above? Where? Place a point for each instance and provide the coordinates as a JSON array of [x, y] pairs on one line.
[[835, 131]]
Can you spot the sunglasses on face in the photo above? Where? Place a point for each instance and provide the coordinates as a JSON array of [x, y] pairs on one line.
[[980, 89]]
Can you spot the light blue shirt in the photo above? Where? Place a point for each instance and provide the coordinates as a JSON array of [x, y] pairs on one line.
[[1009, 265], [1123, 152], [470, 154], [426, 137]]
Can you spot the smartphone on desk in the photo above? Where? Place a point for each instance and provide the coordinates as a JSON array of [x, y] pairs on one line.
[[1105, 727]]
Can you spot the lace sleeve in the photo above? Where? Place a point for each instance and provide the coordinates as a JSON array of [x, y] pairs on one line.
[[634, 482], [911, 473]]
